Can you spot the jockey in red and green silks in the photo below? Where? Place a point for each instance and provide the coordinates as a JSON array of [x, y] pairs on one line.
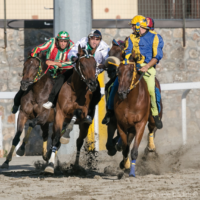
[[57, 50], [54, 53]]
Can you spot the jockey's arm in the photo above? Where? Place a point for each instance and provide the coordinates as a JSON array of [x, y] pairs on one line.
[[53, 63], [152, 62], [41, 48], [58, 64], [157, 53]]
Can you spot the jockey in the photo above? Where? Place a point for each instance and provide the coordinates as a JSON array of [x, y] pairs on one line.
[[150, 23], [147, 46], [94, 40], [57, 50]]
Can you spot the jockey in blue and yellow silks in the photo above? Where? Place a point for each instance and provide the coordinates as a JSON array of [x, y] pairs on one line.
[[147, 46]]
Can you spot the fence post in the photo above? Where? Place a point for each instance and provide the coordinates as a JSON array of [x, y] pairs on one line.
[[5, 25], [1, 138], [184, 116]]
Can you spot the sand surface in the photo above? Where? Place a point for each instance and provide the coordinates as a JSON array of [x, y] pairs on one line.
[[175, 175]]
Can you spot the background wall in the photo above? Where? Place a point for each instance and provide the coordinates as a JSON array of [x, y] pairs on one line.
[[178, 65]]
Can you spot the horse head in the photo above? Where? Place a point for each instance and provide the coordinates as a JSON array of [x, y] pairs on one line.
[[126, 75], [113, 60], [31, 69], [117, 47], [86, 67]]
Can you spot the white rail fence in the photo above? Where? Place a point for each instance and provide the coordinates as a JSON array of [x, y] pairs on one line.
[[186, 87]]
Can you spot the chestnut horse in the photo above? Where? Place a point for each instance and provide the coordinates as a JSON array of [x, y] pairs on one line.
[[37, 85], [132, 110], [73, 103]]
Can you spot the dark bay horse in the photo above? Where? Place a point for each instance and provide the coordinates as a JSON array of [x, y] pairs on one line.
[[36, 92], [73, 103], [114, 55], [132, 110]]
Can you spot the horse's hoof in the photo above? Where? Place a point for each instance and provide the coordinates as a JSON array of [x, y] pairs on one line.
[[5, 165], [127, 163], [64, 140], [112, 152], [121, 165], [50, 168], [148, 149], [151, 150], [20, 151], [118, 147]]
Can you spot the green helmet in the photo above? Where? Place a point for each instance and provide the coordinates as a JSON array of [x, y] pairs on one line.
[[64, 35]]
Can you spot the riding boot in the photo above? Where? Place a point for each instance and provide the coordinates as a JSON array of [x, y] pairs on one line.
[[58, 82], [158, 122], [107, 117]]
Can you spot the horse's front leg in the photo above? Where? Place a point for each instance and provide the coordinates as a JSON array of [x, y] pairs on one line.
[[139, 127], [110, 145], [21, 150], [22, 118], [79, 142], [125, 163], [45, 133], [57, 128]]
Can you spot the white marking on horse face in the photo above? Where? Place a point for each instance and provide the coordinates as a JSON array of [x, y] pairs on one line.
[[31, 61]]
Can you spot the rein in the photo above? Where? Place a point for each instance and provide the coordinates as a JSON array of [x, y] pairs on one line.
[[40, 74]]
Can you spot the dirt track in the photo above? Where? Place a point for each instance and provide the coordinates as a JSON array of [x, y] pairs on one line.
[[175, 175]]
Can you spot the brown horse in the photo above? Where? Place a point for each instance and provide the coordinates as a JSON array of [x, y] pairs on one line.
[[73, 103], [112, 144], [35, 94], [132, 110]]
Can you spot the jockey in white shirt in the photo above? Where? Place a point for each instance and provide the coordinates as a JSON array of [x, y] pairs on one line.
[[94, 40]]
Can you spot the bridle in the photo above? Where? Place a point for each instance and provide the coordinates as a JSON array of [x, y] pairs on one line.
[[79, 71]]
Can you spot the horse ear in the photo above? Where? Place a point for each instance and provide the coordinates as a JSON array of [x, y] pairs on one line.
[[80, 50], [93, 51], [113, 42]]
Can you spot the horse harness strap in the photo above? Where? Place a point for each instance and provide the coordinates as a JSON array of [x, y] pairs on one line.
[[132, 85], [40, 74], [87, 55]]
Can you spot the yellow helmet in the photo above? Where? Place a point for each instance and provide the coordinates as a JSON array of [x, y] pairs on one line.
[[139, 21]]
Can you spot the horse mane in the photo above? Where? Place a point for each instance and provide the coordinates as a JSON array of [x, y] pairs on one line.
[[42, 57]]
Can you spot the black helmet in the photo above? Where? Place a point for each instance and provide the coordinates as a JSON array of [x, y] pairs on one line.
[[95, 33]]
